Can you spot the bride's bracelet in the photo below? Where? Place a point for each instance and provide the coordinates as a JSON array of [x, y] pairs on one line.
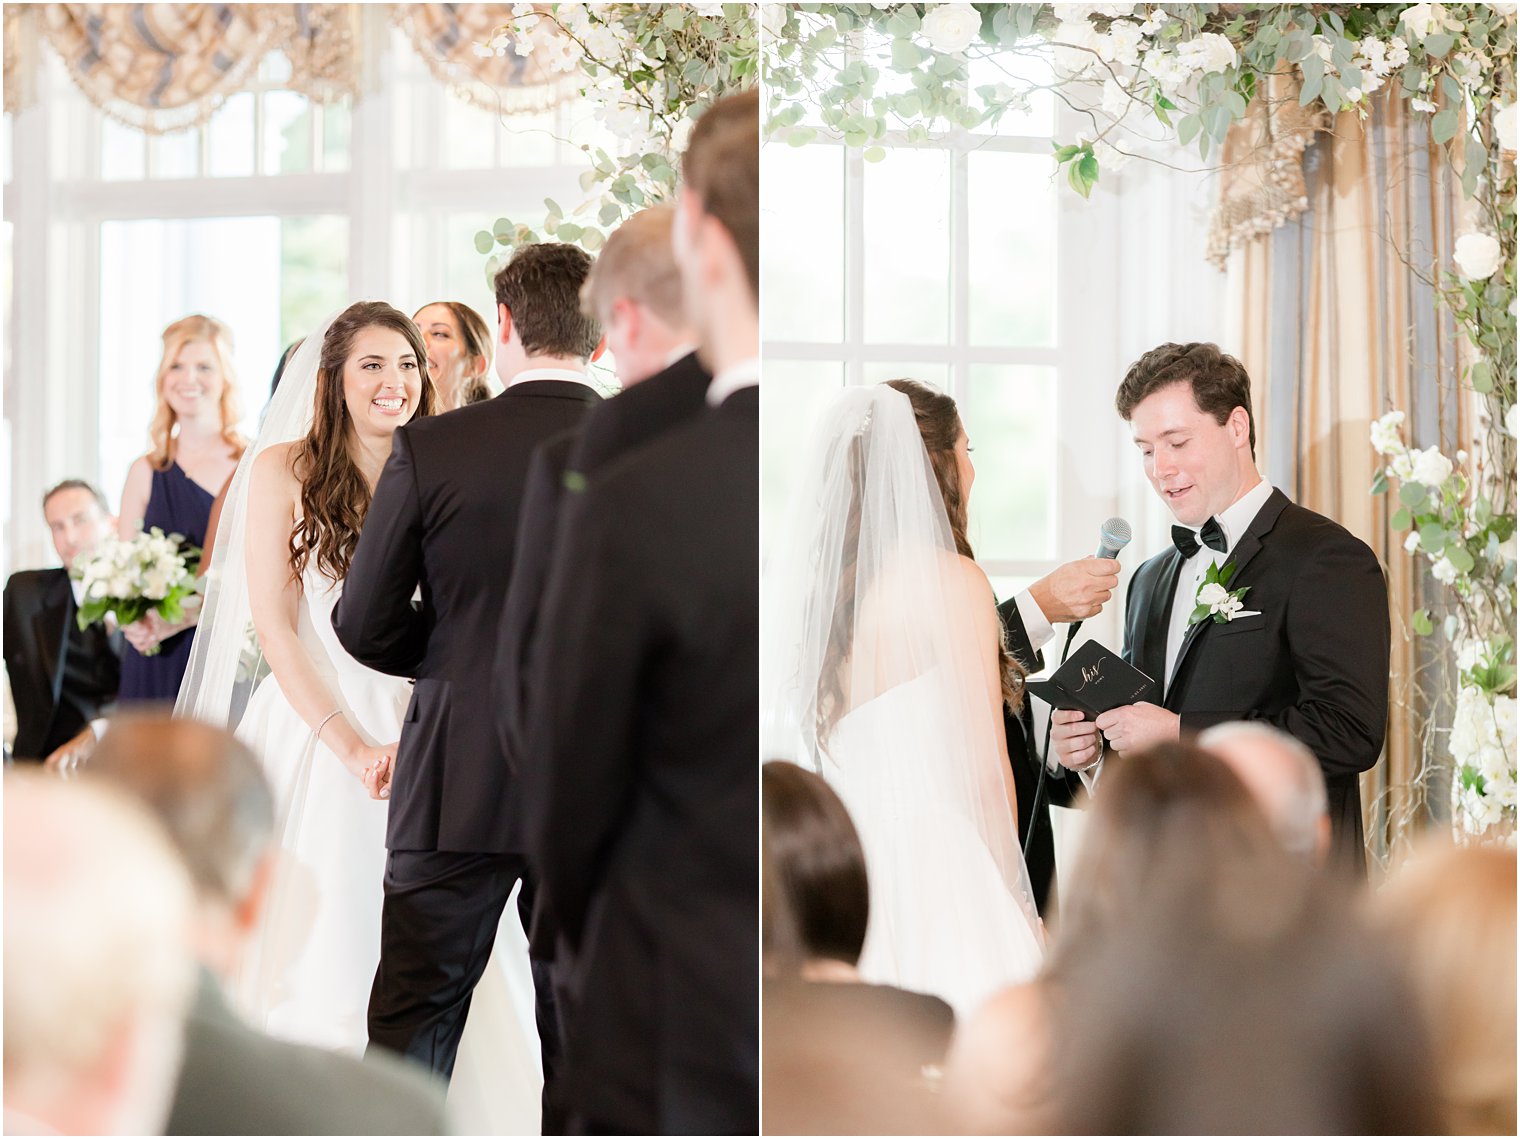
[[323, 724]]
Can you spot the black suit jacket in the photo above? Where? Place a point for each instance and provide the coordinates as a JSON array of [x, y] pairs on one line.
[[445, 516], [1024, 755], [1314, 663], [39, 614], [647, 727], [611, 428]]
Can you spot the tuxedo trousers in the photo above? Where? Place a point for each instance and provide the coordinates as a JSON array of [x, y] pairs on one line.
[[437, 927]]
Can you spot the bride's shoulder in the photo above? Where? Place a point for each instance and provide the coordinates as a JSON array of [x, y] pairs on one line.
[[275, 467], [966, 572]]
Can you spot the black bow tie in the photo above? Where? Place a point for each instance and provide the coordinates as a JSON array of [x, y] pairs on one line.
[[1187, 542]]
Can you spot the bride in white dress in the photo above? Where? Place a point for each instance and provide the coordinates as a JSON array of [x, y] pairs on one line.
[[883, 668], [325, 726]]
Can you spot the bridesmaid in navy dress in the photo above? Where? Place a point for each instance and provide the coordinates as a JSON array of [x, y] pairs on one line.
[[196, 447]]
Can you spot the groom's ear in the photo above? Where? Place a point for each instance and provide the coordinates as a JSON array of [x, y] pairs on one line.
[[503, 324]]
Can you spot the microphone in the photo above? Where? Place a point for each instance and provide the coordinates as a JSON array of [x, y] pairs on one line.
[[1113, 537]]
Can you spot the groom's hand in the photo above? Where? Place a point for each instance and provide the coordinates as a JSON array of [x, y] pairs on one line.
[[1136, 727], [1077, 590], [1076, 741]]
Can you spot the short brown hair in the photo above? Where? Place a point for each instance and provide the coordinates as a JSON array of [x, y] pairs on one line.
[[77, 484], [205, 787], [815, 853], [722, 167], [1219, 382], [541, 287], [638, 262]]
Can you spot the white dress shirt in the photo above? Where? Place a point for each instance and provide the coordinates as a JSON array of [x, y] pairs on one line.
[[744, 374], [569, 374], [1233, 520]]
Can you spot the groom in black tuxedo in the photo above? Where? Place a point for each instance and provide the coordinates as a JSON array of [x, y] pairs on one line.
[[444, 517], [647, 721], [62, 677], [1303, 645]]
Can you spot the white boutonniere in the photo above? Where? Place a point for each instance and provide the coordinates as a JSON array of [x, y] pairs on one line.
[[1215, 600]]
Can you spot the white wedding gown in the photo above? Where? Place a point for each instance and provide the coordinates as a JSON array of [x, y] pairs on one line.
[[943, 917], [308, 971]]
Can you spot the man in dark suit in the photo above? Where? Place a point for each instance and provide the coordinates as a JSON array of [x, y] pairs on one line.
[[634, 291], [1298, 637], [61, 677], [647, 726], [445, 518], [209, 792], [1072, 592]]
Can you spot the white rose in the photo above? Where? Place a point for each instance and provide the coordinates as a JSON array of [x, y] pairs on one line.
[[1074, 36], [1412, 543], [1208, 52], [97, 589], [1154, 22], [1477, 256], [1386, 437], [1123, 43], [1402, 466], [1430, 467], [1504, 126], [1398, 53], [1424, 19], [1169, 72], [951, 28], [1443, 571], [1213, 594]]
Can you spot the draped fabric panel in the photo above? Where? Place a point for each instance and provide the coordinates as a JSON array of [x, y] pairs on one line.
[[445, 37], [1338, 325], [166, 67]]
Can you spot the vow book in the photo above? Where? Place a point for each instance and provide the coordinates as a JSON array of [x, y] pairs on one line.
[[1095, 680]]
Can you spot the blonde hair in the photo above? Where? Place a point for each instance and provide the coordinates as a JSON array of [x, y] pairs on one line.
[[161, 431], [638, 262], [1449, 913]]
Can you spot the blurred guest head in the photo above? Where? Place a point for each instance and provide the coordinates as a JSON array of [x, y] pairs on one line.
[[209, 792], [1189, 411], [717, 229], [459, 352], [195, 383], [279, 369], [1280, 1014], [1171, 818], [1449, 916], [819, 865], [538, 311], [1285, 779], [97, 974], [634, 291], [77, 517]]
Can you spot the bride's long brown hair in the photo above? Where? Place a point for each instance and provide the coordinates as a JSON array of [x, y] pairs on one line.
[[939, 426], [334, 495]]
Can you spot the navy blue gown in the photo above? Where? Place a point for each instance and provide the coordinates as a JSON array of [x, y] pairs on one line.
[[176, 505]]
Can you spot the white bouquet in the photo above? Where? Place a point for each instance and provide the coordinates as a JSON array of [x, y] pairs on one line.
[[151, 573]]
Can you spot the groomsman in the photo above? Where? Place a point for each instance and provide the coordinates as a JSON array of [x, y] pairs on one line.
[[1307, 648], [634, 291], [646, 725], [444, 518], [62, 677]]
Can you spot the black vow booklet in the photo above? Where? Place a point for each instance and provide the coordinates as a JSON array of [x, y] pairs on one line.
[[1094, 680]]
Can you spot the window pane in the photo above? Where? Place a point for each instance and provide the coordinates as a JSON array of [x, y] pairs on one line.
[[1010, 419], [5, 129], [531, 140], [906, 232], [878, 371], [795, 393], [1018, 71], [176, 155], [287, 133], [469, 136], [1012, 255], [229, 138], [336, 133], [123, 154], [313, 272], [803, 246]]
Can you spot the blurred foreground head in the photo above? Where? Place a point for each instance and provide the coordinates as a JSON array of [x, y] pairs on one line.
[[1449, 916], [97, 973], [1212, 983]]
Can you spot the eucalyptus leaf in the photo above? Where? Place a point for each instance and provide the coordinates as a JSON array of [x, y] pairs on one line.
[[1419, 621], [484, 242]]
